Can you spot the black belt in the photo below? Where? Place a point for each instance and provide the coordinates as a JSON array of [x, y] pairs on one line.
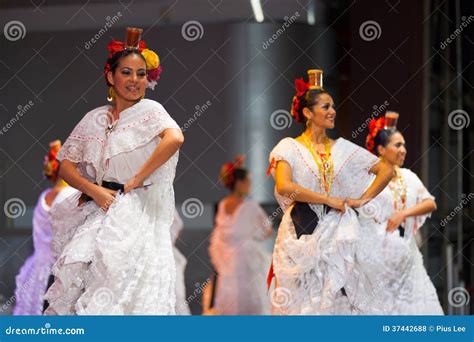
[[113, 186], [109, 185]]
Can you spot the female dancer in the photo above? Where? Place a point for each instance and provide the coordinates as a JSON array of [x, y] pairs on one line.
[[114, 241], [398, 212], [327, 267], [32, 280], [236, 249]]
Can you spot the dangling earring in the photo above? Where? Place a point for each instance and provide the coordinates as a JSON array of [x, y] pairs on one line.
[[111, 96], [308, 123]]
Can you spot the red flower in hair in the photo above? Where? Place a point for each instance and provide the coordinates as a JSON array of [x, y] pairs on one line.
[[117, 46], [301, 87], [375, 125]]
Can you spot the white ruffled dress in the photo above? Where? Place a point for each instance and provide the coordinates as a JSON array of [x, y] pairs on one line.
[[119, 262], [240, 259], [407, 288], [32, 280], [311, 271]]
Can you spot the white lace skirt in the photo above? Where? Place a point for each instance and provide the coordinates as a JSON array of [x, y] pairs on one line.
[[115, 263], [182, 307], [311, 271], [407, 289], [241, 281]]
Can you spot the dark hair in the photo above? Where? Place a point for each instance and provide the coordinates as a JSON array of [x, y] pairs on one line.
[[115, 59], [237, 175], [309, 99], [382, 138]]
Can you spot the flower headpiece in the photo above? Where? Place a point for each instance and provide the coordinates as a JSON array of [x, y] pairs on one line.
[[51, 164], [226, 174], [133, 42], [375, 125], [315, 81]]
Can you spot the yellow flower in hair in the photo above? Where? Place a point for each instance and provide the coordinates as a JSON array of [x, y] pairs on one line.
[[152, 59]]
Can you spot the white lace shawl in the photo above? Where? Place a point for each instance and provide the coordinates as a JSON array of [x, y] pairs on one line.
[[89, 147]]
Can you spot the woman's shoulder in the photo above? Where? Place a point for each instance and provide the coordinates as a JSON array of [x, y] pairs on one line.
[[98, 110], [409, 174], [152, 104], [346, 144], [285, 142]]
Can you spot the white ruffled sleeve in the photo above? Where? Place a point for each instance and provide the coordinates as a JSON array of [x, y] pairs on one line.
[[282, 151], [85, 144]]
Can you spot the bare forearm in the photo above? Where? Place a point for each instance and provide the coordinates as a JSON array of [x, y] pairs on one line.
[[167, 147], [384, 174], [69, 173], [425, 207], [299, 194]]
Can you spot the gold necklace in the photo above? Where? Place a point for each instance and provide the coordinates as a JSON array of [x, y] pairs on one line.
[[398, 187], [323, 161]]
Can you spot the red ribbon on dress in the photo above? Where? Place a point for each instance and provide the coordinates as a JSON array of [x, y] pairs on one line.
[[272, 165], [270, 276]]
